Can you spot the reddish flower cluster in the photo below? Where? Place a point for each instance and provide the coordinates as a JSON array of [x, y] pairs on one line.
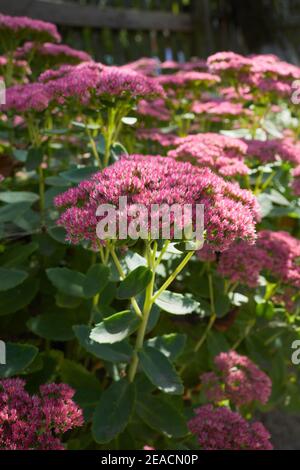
[[230, 212], [222, 429], [61, 52], [238, 379], [24, 28], [223, 154], [275, 252], [36, 422]]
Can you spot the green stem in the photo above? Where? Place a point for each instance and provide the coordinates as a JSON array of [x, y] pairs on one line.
[[109, 135], [173, 275], [146, 313], [9, 73], [93, 147], [42, 194], [205, 334], [163, 251], [122, 275]]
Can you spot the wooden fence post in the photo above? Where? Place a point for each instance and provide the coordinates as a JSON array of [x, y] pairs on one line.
[[203, 41]]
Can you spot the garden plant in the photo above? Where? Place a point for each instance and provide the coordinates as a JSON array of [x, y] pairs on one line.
[[148, 339]]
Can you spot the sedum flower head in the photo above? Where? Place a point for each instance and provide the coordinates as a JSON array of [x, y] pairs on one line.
[[229, 211], [237, 379], [223, 154], [36, 421], [61, 52], [219, 428], [243, 262], [24, 28]]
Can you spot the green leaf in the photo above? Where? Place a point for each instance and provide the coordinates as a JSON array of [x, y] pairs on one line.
[[34, 158], [20, 155], [133, 260], [19, 297], [18, 358], [84, 382], [117, 150], [67, 281], [265, 203], [170, 345], [113, 411], [78, 377], [178, 304], [59, 234], [216, 343], [222, 304], [135, 282], [119, 352], [160, 371], [12, 197], [10, 212], [17, 254], [161, 414], [10, 278], [56, 326], [115, 328], [66, 301], [78, 174], [96, 279], [278, 198], [129, 121]]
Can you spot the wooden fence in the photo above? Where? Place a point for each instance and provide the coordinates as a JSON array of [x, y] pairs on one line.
[[118, 31], [123, 30]]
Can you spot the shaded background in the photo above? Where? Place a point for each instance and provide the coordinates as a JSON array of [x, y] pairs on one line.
[[117, 31]]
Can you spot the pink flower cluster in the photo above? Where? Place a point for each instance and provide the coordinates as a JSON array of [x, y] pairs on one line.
[[146, 65], [23, 28], [24, 98], [61, 52], [265, 73], [219, 428], [219, 108], [223, 154], [275, 252], [152, 66], [296, 181], [80, 82], [156, 109], [230, 212], [184, 78], [271, 150], [156, 135], [228, 62], [238, 379], [191, 65], [36, 422]]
